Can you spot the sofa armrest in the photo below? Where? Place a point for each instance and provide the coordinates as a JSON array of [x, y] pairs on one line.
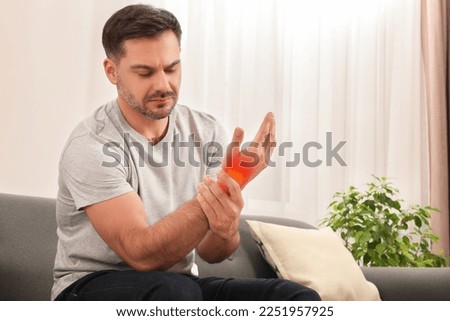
[[27, 247], [410, 284]]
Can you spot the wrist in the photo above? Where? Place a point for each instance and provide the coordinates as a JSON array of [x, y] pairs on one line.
[[198, 213]]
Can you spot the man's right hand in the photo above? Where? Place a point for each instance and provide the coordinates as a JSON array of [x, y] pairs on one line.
[[223, 211]]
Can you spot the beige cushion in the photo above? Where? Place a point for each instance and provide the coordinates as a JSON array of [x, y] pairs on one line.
[[314, 258]]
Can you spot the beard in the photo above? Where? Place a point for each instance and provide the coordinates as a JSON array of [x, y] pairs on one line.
[[161, 111]]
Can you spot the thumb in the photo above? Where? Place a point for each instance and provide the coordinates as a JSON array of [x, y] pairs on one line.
[[238, 136], [234, 147]]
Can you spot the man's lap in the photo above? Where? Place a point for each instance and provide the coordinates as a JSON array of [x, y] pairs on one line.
[[131, 285]]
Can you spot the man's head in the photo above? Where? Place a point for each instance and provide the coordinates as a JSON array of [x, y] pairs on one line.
[[142, 45], [136, 21]]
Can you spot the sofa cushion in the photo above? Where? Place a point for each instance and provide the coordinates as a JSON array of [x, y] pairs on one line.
[[314, 258]]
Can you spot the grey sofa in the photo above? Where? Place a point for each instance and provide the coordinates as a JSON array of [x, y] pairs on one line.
[[28, 245]]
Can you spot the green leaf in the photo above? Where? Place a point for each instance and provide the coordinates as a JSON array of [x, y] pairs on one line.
[[406, 240], [418, 222], [380, 248], [365, 237]]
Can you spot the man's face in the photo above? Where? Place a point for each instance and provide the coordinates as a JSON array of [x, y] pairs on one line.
[[148, 76]]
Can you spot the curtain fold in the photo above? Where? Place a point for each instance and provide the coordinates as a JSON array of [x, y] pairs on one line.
[[447, 19], [434, 51]]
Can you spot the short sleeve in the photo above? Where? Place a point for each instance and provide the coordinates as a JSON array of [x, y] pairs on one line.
[[91, 173]]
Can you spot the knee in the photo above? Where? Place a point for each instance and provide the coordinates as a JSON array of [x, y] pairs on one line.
[[176, 287], [309, 295], [299, 292]]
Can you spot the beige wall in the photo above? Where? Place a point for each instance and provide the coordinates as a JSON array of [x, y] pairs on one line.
[[41, 92]]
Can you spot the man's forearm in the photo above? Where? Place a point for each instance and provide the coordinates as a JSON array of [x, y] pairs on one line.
[[214, 249], [160, 246]]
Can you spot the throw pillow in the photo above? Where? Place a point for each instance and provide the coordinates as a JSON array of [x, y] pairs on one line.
[[314, 258]]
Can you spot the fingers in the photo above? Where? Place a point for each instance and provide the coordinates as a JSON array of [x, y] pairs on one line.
[[213, 215], [266, 127], [270, 141], [238, 135], [207, 209], [217, 197], [206, 195], [221, 211], [273, 131], [266, 135]]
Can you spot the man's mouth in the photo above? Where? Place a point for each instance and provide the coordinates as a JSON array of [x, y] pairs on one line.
[[161, 100], [161, 96]]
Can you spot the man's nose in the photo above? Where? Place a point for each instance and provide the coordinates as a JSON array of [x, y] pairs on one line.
[[161, 82]]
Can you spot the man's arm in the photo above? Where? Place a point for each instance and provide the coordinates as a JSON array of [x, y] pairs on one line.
[[223, 209], [122, 224]]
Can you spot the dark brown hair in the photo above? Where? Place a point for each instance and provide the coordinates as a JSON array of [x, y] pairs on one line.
[[136, 21]]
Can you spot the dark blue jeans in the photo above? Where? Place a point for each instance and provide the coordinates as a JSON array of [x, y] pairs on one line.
[[165, 286]]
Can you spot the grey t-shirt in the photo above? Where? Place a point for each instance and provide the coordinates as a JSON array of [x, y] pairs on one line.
[[104, 158]]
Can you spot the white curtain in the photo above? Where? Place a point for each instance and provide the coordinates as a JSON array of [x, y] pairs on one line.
[[350, 68]]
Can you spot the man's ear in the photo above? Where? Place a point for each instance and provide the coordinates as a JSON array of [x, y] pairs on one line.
[[110, 70]]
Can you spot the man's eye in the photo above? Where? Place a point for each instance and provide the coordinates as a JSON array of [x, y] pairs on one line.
[[146, 75], [170, 70]]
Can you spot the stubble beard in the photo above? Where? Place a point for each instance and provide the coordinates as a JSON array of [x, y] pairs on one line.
[[131, 100]]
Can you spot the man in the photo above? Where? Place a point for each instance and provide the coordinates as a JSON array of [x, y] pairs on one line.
[[131, 212]]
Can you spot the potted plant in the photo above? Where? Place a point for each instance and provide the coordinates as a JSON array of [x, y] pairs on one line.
[[379, 232]]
